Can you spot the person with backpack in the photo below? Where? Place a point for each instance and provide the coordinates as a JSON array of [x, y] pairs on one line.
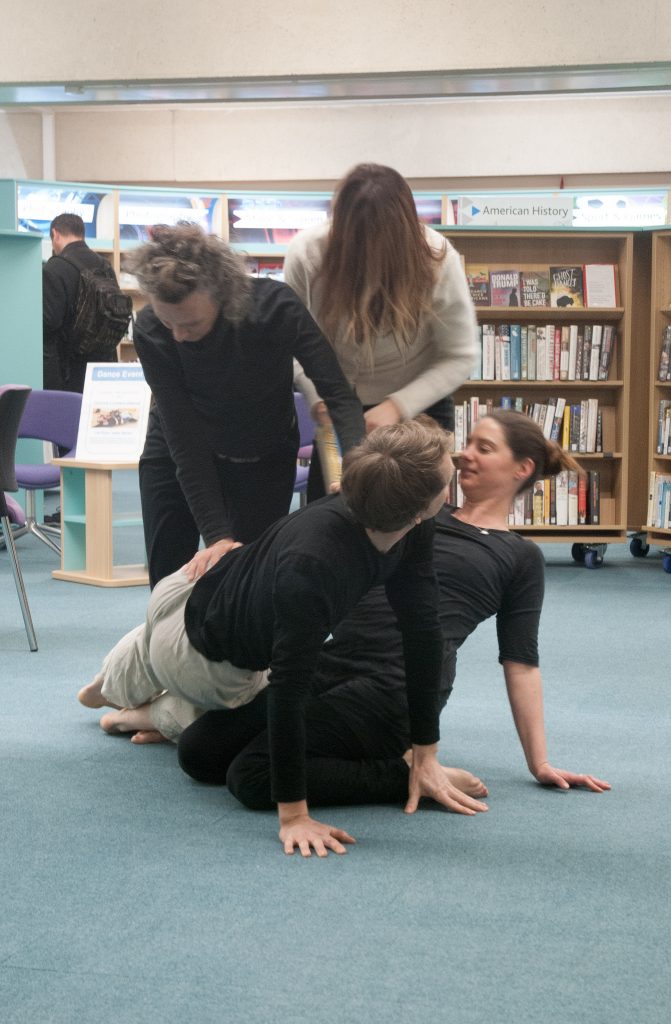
[[84, 313]]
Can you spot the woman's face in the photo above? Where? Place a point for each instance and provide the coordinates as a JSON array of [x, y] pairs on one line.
[[488, 467]]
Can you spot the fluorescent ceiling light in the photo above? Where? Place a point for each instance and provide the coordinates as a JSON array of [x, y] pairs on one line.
[[324, 88]]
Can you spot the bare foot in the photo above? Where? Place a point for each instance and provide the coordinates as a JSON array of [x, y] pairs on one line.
[[91, 695], [468, 783], [127, 720], [149, 736]]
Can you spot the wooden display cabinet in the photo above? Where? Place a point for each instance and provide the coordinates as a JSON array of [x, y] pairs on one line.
[[520, 249], [660, 318]]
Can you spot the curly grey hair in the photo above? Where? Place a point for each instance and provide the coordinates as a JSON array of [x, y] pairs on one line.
[[182, 259]]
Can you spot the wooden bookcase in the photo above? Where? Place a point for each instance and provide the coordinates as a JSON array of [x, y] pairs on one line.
[[516, 249], [660, 318]]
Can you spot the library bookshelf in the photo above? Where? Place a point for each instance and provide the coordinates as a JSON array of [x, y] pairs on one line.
[[498, 249], [659, 462]]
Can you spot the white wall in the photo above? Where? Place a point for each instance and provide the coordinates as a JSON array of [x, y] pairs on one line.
[[20, 145], [73, 40], [499, 138]]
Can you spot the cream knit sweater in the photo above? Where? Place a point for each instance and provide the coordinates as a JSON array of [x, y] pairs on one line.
[[441, 357]]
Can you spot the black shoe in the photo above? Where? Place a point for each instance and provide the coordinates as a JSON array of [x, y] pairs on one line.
[[54, 519]]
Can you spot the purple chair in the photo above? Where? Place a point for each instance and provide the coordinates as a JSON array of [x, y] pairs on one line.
[[306, 433], [13, 398], [51, 416]]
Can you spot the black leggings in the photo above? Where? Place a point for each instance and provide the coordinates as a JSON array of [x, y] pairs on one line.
[[352, 757], [257, 495]]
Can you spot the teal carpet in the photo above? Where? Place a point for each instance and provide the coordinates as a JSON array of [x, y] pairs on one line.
[[131, 894]]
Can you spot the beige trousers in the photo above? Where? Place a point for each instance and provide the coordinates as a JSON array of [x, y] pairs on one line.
[[156, 664]]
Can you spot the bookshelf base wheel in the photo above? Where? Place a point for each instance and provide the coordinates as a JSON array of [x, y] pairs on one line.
[[593, 559], [666, 563], [638, 548], [578, 552]]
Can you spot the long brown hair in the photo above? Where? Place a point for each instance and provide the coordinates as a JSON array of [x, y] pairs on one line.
[[378, 270]]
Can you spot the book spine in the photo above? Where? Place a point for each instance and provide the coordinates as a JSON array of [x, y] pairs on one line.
[[607, 349], [524, 352], [515, 352], [532, 341], [595, 354], [664, 368], [556, 353], [564, 353], [582, 499], [555, 431], [587, 352], [562, 497], [580, 345], [594, 497], [476, 372], [572, 497]]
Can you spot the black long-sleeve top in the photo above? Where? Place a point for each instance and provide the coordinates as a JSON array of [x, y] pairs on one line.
[[273, 603], [230, 394]]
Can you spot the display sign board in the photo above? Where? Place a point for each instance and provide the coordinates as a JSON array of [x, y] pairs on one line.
[[115, 410]]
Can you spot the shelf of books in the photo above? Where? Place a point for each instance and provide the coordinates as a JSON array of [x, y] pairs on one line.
[[554, 316], [657, 529]]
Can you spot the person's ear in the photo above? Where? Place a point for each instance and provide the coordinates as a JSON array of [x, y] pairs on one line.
[[525, 469]]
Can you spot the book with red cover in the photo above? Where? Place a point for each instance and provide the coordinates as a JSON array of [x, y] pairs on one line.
[[582, 499], [504, 287]]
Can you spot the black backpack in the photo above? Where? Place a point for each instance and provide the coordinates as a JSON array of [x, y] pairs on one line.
[[102, 310]]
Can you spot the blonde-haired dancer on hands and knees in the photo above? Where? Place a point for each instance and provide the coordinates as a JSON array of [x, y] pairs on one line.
[[357, 727], [271, 605]]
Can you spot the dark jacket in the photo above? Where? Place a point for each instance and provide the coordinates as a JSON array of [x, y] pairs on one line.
[[63, 367]]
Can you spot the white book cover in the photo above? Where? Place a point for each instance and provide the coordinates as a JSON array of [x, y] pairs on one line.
[[532, 342], [541, 352], [562, 498], [115, 410], [582, 443], [546, 425], [595, 355], [476, 371], [592, 417], [600, 285], [505, 358], [488, 352], [572, 351], [458, 427], [549, 352]]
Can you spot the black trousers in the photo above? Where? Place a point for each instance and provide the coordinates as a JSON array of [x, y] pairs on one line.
[[353, 753], [257, 494], [442, 412]]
